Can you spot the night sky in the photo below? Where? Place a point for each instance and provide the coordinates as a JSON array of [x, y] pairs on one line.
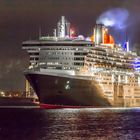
[[20, 20]]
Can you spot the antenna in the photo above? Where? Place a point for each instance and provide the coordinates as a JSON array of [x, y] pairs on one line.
[[54, 32], [127, 41]]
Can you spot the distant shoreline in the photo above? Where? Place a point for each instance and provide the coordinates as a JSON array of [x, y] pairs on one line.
[[17, 101]]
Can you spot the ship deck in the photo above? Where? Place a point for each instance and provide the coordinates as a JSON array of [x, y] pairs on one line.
[[59, 73]]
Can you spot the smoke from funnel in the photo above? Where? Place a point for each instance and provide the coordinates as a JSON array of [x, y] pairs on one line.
[[114, 18]]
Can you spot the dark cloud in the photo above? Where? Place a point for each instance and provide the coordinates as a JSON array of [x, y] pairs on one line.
[[20, 20]]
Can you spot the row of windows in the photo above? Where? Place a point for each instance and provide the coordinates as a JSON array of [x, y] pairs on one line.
[[34, 58], [32, 49], [60, 49], [117, 59], [79, 64], [34, 53], [111, 55], [108, 63], [76, 53], [65, 49], [66, 63], [78, 58], [80, 53], [47, 44], [66, 58], [51, 53], [53, 58]]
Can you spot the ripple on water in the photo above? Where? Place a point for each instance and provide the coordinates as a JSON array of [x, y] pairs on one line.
[[69, 124]]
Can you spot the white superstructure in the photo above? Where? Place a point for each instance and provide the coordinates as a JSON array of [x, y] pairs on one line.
[[114, 69]]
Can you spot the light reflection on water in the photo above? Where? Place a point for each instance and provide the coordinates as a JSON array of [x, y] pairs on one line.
[[70, 124], [94, 124]]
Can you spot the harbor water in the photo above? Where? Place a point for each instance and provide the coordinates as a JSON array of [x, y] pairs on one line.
[[27, 123]]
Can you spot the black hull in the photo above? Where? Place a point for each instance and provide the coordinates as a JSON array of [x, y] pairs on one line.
[[66, 91]]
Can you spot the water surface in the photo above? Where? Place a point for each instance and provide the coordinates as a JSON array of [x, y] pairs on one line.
[[69, 124]]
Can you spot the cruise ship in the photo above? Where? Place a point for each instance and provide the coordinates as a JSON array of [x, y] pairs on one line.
[[69, 71]]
